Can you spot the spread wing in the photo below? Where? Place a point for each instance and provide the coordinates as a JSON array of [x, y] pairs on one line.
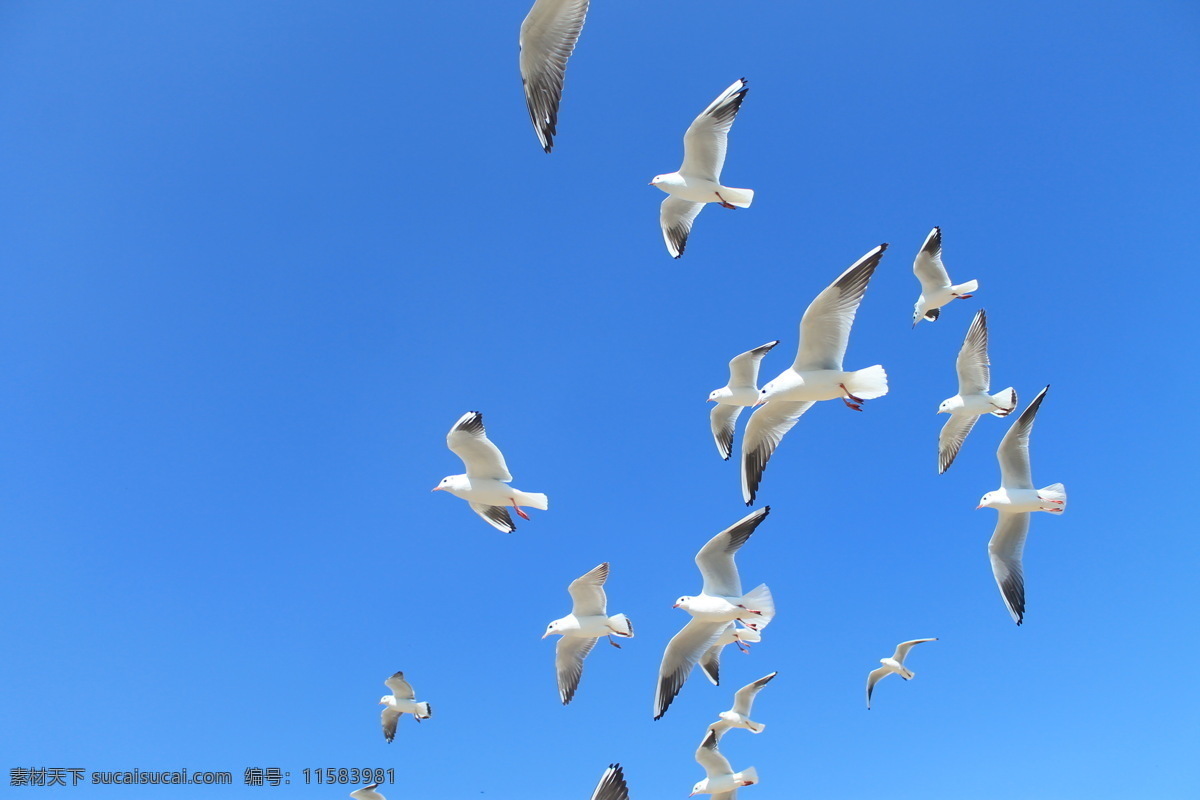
[[709, 757], [496, 516], [682, 653], [743, 698], [612, 785], [1005, 550], [825, 327], [743, 369], [763, 434], [587, 593], [715, 559], [873, 678], [974, 377], [568, 663], [389, 719], [400, 687], [1013, 452], [468, 440], [723, 419], [548, 37], [928, 267], [676, 217], [707, 137], [903, 648], [951, 439]]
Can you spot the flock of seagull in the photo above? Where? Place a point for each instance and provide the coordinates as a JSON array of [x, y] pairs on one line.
[[722, 613]]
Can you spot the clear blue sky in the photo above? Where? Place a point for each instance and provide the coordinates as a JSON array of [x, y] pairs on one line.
[[259, 256]]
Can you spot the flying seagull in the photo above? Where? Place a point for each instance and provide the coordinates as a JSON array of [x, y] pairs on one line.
[[580, 629], [402, 700], [895, 664], [936, 290], [722, 782], [548, 37], [741, 392], [739, 715], [612, 785]]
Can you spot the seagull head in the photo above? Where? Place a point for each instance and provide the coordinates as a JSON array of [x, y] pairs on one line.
[[948, 406], [386, 700], [918, 311], [682, 602], [699, 788], [553, 627], [987, 501], [450, 483], [716, 395]]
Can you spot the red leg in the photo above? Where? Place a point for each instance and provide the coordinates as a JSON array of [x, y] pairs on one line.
[[723, 203], [850, 400], [517, 509], [614, 644]]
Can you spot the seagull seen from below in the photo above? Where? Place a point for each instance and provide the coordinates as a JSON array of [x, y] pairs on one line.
[[936, 290], [1016, 499], [402, 700], [612, 785], [548, 37], [734, 633], [698, 180], [741, 392], [972, 400], [580, 629], [739, 715], [893, 665], [720, 602], [817, 372], [485, 484], [722, 782]]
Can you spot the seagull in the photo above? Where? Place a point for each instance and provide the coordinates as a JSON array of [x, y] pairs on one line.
[[739, 393], [739, 715], [485, 485], [720, 602], [367, 793], [817, 372], [734, 633], [402, 700], [722, 782], [936, 290], [580, 629], [972, 400], [895, 664], [548, 37], [612, 785], [1015, 500], [698, 180]]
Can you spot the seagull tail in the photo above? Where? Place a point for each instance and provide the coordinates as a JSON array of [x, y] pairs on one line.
[[965, 288], [749, 775], [425, 711], [621, 625], [756, 727], [868, 383], [535, 500], [1007, 400], [759, 599], [907, 673], [1056, 495], [742, 198]]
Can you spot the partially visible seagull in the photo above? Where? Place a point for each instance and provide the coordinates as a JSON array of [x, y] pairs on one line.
[[367, 793], [698, 180], [741, 392], [734, 633], [720, 602], [972, 400], [485, 484], [722, 782], [936, 290], [580, 629], [895, 664], [739, 715], [816, 374], [1015, 500], [612, 785], [402, 700], [548, 37]]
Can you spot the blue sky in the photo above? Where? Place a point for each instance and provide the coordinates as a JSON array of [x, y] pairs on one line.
[[259, 257]]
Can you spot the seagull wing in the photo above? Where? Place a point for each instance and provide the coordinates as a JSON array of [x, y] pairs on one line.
[[763, 433], [468, 440], [825, 327], [709, 757], [1013, 452], [715, 559], [743, 698], [682, 653], [568, 662], [587, 593], [903, 648], [612, 785], [928, 267], [1005, 550], [974, 377], [873, 678], [400, 687], [707, 137], [951, 439], [389, 719], [676, 217], [743, 369], [496, 516], [548, 36], [723, 419]]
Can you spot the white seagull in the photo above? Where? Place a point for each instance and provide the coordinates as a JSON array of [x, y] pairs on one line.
[[972, 400], [741, 392], [698, 180], [722, 782], [1015, 500], [580, 629], [485, 484], [402, 700], [720, 602], [895, 664], [548, 37], [612, 785], [734, 633], [367, 793], [936, 290], [817, 373], [739, 715]]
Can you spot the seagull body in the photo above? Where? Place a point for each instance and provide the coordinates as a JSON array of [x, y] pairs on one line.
[[580, 629], [741, 392], [698, 180], [739, 715], [722, 782], [720, 602], [936, 289], [1016, 499], [972, 400], [612, 785], [734, 633], [817, 372], [548, 36], [367, 793], [893, 665], [485, 484], [402, 700]]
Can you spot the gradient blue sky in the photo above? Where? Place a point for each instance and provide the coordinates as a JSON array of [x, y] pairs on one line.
[[259, 256]]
